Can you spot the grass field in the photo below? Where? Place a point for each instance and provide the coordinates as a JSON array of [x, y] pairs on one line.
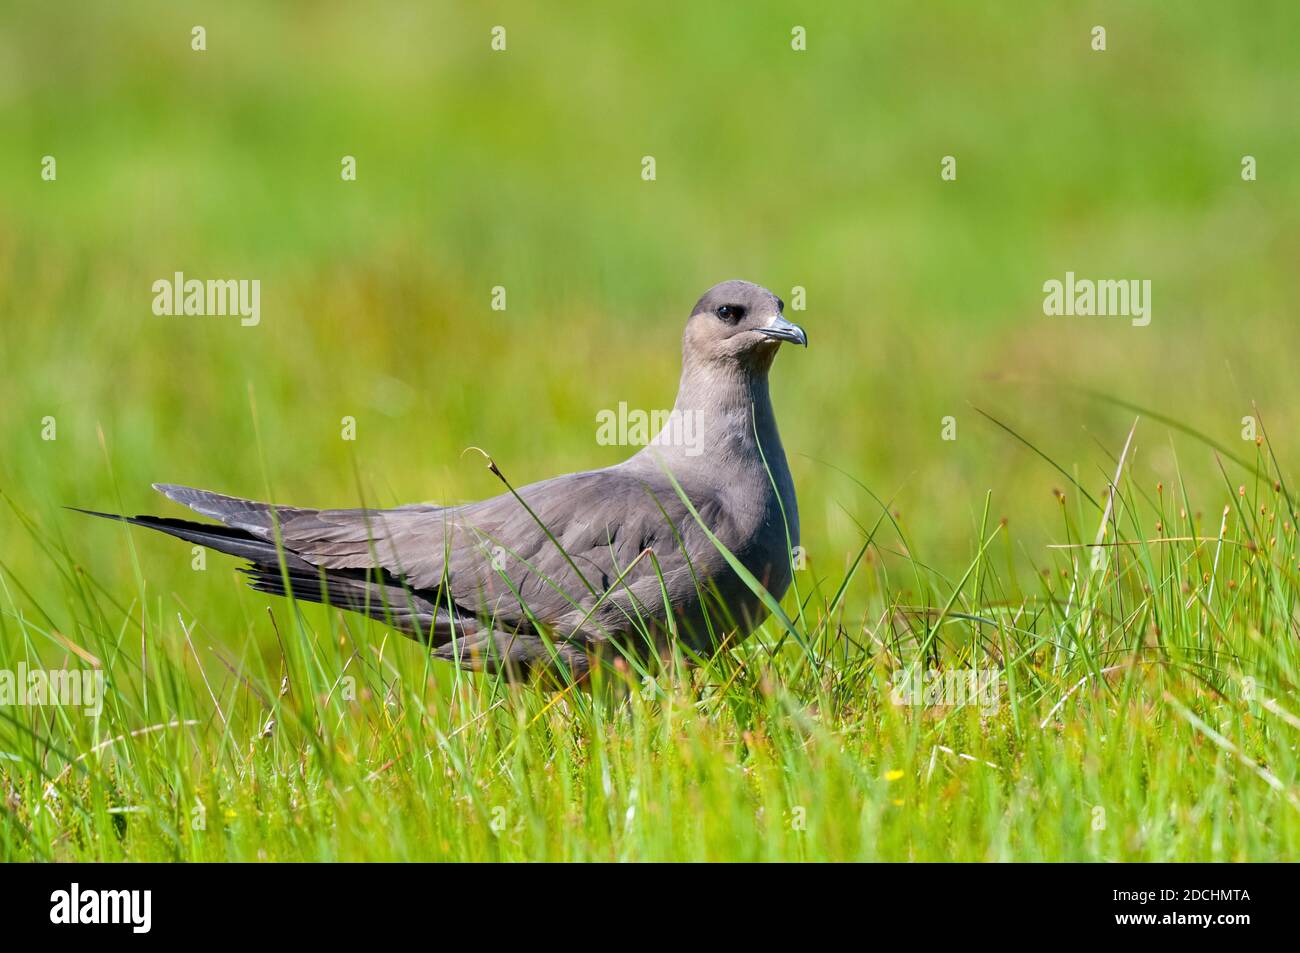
[[1146, 704]]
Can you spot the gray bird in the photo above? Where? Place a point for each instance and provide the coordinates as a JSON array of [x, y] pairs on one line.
[[552, 576]]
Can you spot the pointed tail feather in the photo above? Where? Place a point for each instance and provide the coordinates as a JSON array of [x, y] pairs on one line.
[[383, 599], [224, 539]]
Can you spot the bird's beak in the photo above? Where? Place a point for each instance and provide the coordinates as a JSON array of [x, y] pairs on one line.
[[782, 330]]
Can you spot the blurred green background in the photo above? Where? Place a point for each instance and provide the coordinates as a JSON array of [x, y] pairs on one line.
[[523, 169]]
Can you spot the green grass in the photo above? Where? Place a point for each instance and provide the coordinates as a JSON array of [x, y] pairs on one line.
[[1159, 687], [1144, 711]]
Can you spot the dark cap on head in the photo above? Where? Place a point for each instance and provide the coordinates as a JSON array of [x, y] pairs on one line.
[[737, 292]]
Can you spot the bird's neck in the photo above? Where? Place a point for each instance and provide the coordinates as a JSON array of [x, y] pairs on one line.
[[724, 412]]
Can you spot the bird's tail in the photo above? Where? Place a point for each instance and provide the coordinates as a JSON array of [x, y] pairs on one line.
[[453, 635], [224, 539]]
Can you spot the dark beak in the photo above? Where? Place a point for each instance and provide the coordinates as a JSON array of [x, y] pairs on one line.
[[782, 330]]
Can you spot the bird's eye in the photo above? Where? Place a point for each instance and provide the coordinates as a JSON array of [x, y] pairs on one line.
[[731, 313]]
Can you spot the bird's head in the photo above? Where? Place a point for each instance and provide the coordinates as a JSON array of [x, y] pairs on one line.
[[739, 323]]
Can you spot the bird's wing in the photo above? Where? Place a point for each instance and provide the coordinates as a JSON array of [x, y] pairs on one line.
[[559, 548], [550, 552], [331, 539]]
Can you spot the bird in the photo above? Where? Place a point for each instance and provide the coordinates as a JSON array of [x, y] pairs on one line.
[[558, 576]]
